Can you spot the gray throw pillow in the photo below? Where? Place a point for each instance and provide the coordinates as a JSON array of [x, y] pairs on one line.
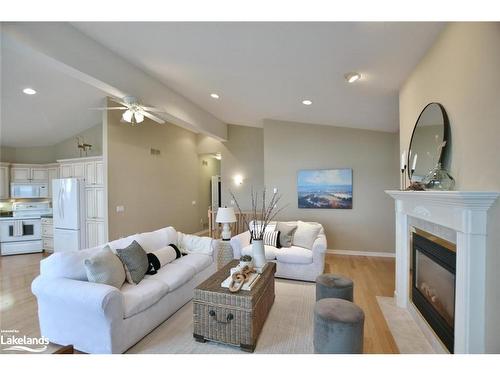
[[286, 233], [104, 267], [135, 260]]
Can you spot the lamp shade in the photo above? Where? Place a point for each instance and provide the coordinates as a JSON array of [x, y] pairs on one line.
[[225, 215]]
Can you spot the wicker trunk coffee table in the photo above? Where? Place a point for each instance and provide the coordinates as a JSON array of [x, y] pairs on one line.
[[232, 318]]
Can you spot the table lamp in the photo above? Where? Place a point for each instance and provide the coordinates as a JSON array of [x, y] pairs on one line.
[[225, 215]]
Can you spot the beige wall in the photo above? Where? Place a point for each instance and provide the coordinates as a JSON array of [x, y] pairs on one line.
[[242, 154], [461, 72], [49, 154], [369, 225], [156, 191]]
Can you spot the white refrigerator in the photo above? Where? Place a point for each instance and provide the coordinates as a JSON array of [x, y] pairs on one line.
[[68, 209]]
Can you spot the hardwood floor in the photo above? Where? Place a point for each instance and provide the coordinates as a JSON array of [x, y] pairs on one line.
[[372, 277]]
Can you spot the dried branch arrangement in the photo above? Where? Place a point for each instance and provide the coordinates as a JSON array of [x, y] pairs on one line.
[[262, 213]]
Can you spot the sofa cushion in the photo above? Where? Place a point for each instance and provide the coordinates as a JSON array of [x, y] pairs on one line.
[[173, 275], [306, 234], [294, 255], [198, 261], [157, 239], [286, 233], [135, 260], [104, 267], [122, 243], [68, 264], [270, 251], [137, 298], [189, 244]]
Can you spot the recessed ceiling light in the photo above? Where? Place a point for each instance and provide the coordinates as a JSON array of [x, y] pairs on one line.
[[307, 102], [214, 95], [352, 77], [29, 91]]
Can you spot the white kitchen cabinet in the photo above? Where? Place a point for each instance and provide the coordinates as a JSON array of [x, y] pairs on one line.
[[39, 174], [20, 174], [95, 233], [99, 173], [94, 173], [94, 201], [53, 173], [4, 180], [66, 171], [48, 234]]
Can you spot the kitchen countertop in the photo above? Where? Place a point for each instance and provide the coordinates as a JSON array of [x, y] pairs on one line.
[[4, 218]]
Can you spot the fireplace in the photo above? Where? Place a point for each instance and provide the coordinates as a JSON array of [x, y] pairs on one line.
[[433, 271]]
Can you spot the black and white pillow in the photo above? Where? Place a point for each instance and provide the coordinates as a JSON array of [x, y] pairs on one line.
[[160, 257], [272, 239]]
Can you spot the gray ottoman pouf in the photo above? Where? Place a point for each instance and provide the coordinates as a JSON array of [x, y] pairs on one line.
[[329, 285], [338, 327]]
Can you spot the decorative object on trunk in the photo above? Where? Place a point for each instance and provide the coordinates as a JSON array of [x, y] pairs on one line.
[[239, 278], [266, 211], [246, 261]]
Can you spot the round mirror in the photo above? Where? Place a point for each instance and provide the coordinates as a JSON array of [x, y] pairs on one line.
[[428, 141]]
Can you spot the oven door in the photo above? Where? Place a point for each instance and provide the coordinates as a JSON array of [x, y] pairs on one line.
[[20, 230]]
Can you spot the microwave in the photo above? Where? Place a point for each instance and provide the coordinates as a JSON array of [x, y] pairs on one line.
[[33, 190]]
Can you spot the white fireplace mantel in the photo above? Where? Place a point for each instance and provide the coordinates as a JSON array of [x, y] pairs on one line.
[[464, 212]]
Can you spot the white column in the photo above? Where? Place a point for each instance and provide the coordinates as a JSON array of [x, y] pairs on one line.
[[402, 257]]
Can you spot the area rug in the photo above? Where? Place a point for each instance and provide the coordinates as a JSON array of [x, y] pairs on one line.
[[406, 333], [288, 328]]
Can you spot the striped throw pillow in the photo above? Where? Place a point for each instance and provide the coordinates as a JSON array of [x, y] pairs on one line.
[[272, 239]]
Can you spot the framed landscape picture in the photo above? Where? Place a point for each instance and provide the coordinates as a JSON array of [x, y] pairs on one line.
[[325, 188]]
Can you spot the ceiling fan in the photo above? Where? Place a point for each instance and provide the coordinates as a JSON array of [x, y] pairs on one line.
[[134, 111]]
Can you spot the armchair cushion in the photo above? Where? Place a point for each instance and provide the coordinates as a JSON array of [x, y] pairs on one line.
[[306, 234], [295, 254]]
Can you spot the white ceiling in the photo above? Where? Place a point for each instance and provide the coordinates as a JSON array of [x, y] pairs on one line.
[[264, 70], [57, 112]]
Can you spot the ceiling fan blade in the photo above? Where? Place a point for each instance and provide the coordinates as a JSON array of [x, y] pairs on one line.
[[107, 108], [152, 117], [152, 109], [119, 101]]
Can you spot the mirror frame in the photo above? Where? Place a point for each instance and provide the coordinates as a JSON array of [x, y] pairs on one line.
[[446, 135]]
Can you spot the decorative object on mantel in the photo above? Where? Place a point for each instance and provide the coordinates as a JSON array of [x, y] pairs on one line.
[[428, 146], [267, 211], [438, 179]]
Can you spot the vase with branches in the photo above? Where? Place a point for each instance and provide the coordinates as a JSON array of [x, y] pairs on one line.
[[262, 213]]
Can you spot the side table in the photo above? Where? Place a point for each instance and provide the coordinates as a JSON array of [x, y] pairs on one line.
[[224, 253]]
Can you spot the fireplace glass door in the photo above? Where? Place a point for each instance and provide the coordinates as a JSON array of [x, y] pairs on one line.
[[437, 285]]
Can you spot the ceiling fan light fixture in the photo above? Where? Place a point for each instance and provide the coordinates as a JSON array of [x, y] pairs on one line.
[[352, 77], [139, 117], [127, 115]]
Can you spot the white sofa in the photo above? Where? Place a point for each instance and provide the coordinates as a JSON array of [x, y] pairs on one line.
[[293, 262], [98, 318]]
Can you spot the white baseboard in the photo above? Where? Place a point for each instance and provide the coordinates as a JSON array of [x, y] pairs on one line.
[[363, 253]]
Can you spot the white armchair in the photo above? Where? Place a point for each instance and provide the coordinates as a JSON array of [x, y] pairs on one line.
[[292, 262]]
